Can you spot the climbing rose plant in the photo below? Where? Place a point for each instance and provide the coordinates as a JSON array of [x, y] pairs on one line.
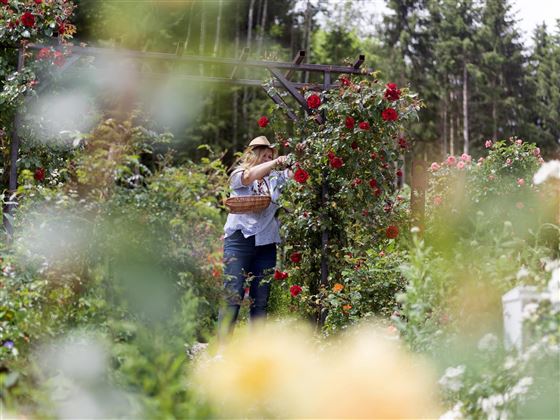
[[346, 173], [34, 20]]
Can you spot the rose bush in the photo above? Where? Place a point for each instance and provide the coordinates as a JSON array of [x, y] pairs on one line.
[[345, 189]]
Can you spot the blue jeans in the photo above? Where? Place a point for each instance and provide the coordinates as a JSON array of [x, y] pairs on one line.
[[243, 261]]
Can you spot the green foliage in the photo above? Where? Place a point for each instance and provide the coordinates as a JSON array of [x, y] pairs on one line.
[[122, 245]]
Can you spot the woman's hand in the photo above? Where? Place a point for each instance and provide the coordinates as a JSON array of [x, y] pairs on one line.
[[281, 160]]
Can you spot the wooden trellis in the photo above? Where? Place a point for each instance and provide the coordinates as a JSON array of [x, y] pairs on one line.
[[281, 72]]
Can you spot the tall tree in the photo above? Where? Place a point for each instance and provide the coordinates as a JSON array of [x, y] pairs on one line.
[[501, 82]]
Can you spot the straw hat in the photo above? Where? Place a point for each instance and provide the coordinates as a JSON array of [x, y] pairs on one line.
[[260, 141]]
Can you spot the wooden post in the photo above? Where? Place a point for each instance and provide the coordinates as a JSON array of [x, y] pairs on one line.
[[418, 193], [10, 200]]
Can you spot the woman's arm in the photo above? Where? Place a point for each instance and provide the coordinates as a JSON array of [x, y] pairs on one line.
[[261, 170]]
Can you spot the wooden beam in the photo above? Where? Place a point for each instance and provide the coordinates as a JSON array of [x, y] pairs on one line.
[[279, 101], [296, 62], [289, 86], [359, 62], [122, 53], [242, 58], [11, 201]]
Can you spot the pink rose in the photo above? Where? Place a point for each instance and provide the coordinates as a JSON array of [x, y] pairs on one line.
[[451, 160], [488, 144], [435, 167], [508, 161], [466, 158], [520, 182], [537, 152], [460, 165], [438, 200]]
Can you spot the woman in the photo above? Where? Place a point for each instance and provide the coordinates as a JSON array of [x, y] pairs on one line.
[[251, 238]]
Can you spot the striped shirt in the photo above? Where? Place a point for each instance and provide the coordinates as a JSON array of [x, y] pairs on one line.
[[264, 225]]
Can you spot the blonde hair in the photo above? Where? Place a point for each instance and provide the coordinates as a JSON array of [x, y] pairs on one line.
[[251, 157]]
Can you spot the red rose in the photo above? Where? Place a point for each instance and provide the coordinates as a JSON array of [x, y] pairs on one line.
[[301, 176], [356, 182], [392, 232], [390, 114], [43, 53], [345, 81], [364, 125], [295, 290], [28, 20], [280, 275], [402, 143], [263, 122], [295, 257], [38, 1], [336, 162], [39, 174], [377, 191], [350, 123], [399, 173], [392, 93], [373, 183], [374, 155], [313, 101], [4, 1], [354, 145]]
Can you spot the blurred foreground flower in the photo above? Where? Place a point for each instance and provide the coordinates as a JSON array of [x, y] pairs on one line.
[[548, 171], [276, 372]]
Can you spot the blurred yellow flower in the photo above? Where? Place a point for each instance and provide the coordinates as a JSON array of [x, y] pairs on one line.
[[276, 372]]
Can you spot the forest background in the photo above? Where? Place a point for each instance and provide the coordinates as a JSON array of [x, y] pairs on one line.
[[465, 58]]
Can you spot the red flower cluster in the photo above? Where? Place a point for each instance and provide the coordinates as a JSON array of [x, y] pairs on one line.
[[39, 174], [392, 232], [28, 20], [4, 1], [399, 173], [364, 125], [43, 53], [280, 275], [335, 161], [345, 81], [295, 257], [38, 1], [301, 176], [392, 93], [313, 101], [389, 114], [295, 290], [58, 58], [263, 122], [350, 123], [402, 143]]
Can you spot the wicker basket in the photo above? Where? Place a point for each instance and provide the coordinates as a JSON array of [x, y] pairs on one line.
[[247, 203]]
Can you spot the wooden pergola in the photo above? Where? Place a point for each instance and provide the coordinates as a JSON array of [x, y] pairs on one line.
[[281, 72]]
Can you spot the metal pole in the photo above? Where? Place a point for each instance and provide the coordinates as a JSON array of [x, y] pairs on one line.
[[324, 233], [10, 201]]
